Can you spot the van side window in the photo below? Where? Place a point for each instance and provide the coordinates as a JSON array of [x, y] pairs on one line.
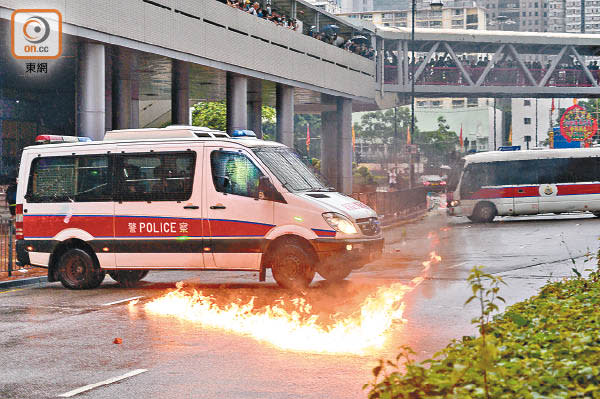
[[156, 176], [234, 173], [82, 178]]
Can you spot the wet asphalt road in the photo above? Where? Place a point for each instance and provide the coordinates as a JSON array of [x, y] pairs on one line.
[[53, 341]]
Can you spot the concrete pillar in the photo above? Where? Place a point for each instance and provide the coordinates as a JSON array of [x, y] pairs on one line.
[[134, 120], [108, 88], [336, 143], [284, 104], [90, 91], [180, 92], [255, 106], [344, 145], [329, 131], [237, 107], [124, 88]]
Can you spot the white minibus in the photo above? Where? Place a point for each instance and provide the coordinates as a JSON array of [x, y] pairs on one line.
[[184, 197], [500, 183]]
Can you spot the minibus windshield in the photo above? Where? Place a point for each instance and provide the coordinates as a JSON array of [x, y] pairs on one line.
[[286, 165]]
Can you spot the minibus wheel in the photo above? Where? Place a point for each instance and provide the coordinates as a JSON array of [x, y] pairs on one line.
[[293, 267], [128, 278], [484, 212], [77, 270]]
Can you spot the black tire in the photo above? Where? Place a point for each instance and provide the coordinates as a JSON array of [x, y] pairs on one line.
[[292, 266], [77, 270], [484, 213], [596, 214], [335, 272], [128, 278]]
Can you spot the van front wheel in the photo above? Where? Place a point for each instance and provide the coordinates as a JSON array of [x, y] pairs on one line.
[[128, 278], [292, 266], [77, 270]]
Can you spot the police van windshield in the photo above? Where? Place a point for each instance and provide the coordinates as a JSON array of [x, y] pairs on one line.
[[286, 165]]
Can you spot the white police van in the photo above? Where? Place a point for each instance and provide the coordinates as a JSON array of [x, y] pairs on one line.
[[184, 197]]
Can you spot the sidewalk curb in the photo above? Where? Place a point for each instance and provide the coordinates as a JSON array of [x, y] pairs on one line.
[[23, 282], [412, 219]]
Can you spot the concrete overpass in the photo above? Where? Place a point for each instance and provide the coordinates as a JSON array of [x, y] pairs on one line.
[[497, 78]]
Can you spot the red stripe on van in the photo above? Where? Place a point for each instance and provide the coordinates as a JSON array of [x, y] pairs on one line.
[[50, 225], [235, 228], [140, 226]]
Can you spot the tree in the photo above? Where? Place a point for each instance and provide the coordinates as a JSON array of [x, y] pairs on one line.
[[438, 145], [385, 127], [213, 114]]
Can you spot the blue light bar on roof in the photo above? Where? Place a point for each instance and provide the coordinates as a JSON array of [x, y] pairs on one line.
[[241, 133], [509, 148]]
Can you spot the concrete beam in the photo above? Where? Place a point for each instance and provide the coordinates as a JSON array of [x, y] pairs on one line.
[[90, 91]]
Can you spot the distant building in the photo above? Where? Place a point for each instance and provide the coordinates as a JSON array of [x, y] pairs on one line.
[[529, 116], [330, 6], [517, 15], [471, 17]]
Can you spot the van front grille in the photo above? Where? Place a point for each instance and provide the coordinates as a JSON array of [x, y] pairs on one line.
[[369, 226]]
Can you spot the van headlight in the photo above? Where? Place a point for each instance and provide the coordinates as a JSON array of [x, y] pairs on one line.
[[454, 203], [340, 223]]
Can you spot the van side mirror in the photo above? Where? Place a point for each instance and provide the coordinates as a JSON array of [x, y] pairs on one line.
[[267, 191]]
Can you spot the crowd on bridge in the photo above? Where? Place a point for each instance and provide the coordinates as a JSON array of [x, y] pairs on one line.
[[265, 11], [360, 45], [444, 70]]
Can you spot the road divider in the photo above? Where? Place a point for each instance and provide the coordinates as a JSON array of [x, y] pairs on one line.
[[99, 384]]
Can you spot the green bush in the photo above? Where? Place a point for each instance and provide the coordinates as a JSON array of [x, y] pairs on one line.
[[545, 347]]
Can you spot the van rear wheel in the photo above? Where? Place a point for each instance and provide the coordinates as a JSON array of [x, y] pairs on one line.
[[77, 270], [292, 266], [128, 278]]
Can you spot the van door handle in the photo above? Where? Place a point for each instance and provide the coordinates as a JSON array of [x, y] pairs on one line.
[[520, 190], [217, 207], [191, 207]]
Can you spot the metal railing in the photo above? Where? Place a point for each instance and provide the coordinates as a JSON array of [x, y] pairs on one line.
[[498, 76], [7, 245], [394, 206]]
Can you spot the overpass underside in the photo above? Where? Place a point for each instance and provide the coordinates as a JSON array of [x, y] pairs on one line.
[[489, 64], [144, 63]]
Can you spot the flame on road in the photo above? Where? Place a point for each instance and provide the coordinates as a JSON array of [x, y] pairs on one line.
[[291, 324]]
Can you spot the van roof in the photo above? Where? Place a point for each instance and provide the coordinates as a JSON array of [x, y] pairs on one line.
[[171, 134]]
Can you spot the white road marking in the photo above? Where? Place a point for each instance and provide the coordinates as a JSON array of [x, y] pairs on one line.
[[98, 384], [123, 300]]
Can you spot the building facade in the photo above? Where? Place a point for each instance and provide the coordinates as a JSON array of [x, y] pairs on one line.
[[463, 17]]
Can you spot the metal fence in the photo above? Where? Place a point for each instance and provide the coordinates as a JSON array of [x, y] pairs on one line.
[[7, 245], [394, 206]]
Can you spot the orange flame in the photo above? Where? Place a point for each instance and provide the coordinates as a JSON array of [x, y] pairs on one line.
[[295, 329]]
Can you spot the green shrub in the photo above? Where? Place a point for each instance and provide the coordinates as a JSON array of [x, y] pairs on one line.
[[545, 347]]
